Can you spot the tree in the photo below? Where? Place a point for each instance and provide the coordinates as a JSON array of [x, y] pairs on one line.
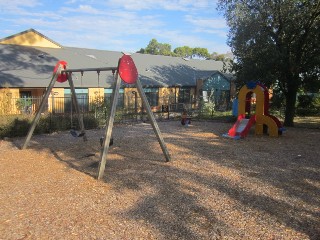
[[153, 47], [184, 51], [200, 52], [275, 41], [218, 57], [142, 50], [165, 49], [189, 52], [156, 48]]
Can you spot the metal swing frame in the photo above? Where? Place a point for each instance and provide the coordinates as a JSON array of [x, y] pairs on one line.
[[111, 115]]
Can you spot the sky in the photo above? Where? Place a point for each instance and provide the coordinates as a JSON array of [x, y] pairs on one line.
[[119, 25]]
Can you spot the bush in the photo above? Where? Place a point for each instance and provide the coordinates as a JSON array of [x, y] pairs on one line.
[[304, 112], [16, 128], [19, 125], [305, 101], [308, 105], [90, 122]]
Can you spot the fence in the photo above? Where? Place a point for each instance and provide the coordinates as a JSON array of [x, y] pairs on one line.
[[95, 109]]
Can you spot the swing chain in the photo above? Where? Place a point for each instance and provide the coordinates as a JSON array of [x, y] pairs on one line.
[[81, 77], [98, 72]]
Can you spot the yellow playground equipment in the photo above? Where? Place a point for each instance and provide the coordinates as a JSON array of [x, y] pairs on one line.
[[247, 104]]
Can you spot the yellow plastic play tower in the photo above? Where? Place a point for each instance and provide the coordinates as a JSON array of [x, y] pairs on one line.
[[254, 97]]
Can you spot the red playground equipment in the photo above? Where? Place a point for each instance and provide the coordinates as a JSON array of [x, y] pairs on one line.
[[125, 71], [264, 122]]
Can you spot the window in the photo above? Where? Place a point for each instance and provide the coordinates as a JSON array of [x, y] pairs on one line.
[[25, 102], [25, 94], [185, 95], [108, 97], [152, 95], [82, 98], [205, 96]]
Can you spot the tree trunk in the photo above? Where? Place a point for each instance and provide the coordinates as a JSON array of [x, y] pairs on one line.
[[290, 109], [291, 97]]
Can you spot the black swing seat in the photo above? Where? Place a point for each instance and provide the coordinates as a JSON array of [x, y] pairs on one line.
[[102, 139], [74, 133]]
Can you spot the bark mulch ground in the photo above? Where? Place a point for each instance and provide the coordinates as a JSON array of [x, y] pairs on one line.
[[214, 187]]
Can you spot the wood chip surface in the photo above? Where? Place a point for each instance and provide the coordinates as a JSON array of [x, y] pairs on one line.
[[213, 188]]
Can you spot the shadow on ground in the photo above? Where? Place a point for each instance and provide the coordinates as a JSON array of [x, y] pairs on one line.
[[175, 208]]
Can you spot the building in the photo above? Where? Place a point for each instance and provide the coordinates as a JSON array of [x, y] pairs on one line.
[[28, 58]]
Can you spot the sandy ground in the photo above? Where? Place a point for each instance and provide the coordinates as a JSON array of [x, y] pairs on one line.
[[214, 187]]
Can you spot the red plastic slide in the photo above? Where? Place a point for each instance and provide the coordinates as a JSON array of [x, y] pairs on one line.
[[242, 126]]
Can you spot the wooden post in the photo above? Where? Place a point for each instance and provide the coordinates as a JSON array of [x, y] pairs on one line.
[[153, 121], [108, 133], [76, 105], [42, 104]]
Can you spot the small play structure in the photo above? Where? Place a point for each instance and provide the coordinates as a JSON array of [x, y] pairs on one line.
[[254, 111], [127, 71], [185, 118]]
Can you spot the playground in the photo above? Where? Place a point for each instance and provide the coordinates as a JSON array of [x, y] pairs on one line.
[[258, 187]]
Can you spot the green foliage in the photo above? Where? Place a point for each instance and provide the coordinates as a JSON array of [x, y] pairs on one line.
[[207, 112], [278, 99], [218, 57], [208, 109], [15, 128], [305, 101], [99, 106], [308, 105], [23, 102], [90, 121], [156, 48], [184, 51], [18, 126], [142, 50], [200, 52]]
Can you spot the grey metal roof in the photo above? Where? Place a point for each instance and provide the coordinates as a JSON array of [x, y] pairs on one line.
[[32, 67]]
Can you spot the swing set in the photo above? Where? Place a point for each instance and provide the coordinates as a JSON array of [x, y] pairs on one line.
[[127, 71]]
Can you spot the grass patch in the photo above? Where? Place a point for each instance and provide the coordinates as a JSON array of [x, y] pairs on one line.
[[307, 122]]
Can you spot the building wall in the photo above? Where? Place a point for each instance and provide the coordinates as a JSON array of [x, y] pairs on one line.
[[7, 103], [56, 100], [95, 95], [96, 92], [132, 99], [30, 39], [216, 89], [168, 96]]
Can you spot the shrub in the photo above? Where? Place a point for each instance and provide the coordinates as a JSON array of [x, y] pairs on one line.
[[19, 125], [305, 101], [308, 105], [15, 128]]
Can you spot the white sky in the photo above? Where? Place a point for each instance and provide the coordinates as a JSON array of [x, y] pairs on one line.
[[119, 25]]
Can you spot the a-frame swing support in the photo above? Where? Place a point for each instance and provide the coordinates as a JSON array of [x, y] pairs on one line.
[[110, 121], [56, 76], [128, 73]]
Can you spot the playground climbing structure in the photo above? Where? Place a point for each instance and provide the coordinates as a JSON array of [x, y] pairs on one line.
[[263, 121]]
